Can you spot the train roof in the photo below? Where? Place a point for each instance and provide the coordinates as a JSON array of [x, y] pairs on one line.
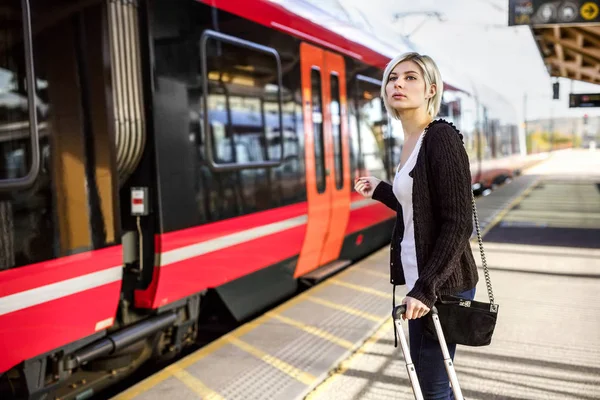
[[289, 18], [306, 21]]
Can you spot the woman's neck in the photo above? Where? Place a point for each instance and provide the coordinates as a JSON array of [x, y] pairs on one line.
[[414, 122]]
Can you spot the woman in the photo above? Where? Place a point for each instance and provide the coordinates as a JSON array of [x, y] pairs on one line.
[[431, 194]]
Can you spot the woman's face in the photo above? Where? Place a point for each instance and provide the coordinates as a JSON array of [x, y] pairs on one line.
[[405, 88]]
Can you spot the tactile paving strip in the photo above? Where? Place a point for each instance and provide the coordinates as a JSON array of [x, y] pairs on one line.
[[296, 348], [166, 388], [366, 303], [236, 374], [334, 322], [363, 276]]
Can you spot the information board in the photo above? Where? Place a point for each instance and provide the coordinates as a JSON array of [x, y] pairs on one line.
[[584, 100], [545, 12]]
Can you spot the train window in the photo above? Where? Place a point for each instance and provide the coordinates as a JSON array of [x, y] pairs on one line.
[[26, 214], [465, 118], [353, 133], [444, 110], [336, 130], [395, 143], [493, 134], [53, 217], [242, 103], [372, 128], [317, 118]]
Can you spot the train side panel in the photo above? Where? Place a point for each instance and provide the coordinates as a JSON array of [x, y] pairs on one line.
[[57, 302], [60, 258]]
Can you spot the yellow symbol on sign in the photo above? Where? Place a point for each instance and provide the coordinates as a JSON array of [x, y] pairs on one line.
[[589, 10]]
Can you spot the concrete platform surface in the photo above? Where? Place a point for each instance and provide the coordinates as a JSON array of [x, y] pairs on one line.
[[546, 344]]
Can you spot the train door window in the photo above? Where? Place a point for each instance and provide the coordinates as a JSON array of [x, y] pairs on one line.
[[317, 118], [54, 216], [336, 130]]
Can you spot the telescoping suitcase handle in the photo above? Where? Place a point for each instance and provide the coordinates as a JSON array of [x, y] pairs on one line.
[[412, 373]]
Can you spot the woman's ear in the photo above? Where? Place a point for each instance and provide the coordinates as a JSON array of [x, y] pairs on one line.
[[432, 90]]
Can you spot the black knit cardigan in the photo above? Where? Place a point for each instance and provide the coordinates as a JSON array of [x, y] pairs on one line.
[[442, 217]]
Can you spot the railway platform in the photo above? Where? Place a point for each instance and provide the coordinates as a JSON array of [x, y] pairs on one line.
[[543, 251], [335, 340]]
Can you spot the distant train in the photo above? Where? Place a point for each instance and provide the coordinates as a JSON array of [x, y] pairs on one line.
[[180, 154]]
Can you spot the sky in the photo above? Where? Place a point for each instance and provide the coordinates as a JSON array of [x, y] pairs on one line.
[[475, 40]]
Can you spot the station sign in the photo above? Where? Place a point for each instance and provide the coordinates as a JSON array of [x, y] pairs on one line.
[[584, 100], [546, 12]]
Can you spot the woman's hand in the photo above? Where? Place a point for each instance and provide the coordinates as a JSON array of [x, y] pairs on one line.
[[414, 308], [366, 185]]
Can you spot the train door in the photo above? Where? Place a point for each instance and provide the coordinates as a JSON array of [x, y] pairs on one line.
[[327, 158]]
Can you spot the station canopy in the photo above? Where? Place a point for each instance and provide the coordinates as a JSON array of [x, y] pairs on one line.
[[567, 34], [570, 52]]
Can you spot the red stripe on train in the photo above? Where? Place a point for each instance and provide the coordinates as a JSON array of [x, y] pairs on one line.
[[185, 237], [35, 330], [45, 273], [192, 275]]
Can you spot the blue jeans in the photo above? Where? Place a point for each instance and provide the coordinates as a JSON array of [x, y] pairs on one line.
[[428, 360]]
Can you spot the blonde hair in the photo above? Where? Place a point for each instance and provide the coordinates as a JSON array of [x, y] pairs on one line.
[[431, 74]]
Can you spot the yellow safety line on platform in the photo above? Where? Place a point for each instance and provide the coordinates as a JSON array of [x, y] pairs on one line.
[[386, 325], [507, 209], [233, 336], [378, 274], [281, 365], [361, 288], [143, 386], [194, 383], [313, 330], [346, 309]]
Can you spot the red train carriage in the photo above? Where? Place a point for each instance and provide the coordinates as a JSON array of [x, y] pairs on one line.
[[174, 155]]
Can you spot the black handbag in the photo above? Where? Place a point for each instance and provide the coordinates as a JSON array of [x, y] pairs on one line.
[[466, 322]]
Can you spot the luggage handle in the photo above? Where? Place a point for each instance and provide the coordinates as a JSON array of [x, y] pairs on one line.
[[412, 373], [401, 309]]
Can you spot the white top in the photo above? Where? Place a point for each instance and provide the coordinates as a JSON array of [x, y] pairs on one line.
[[403, 189]]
